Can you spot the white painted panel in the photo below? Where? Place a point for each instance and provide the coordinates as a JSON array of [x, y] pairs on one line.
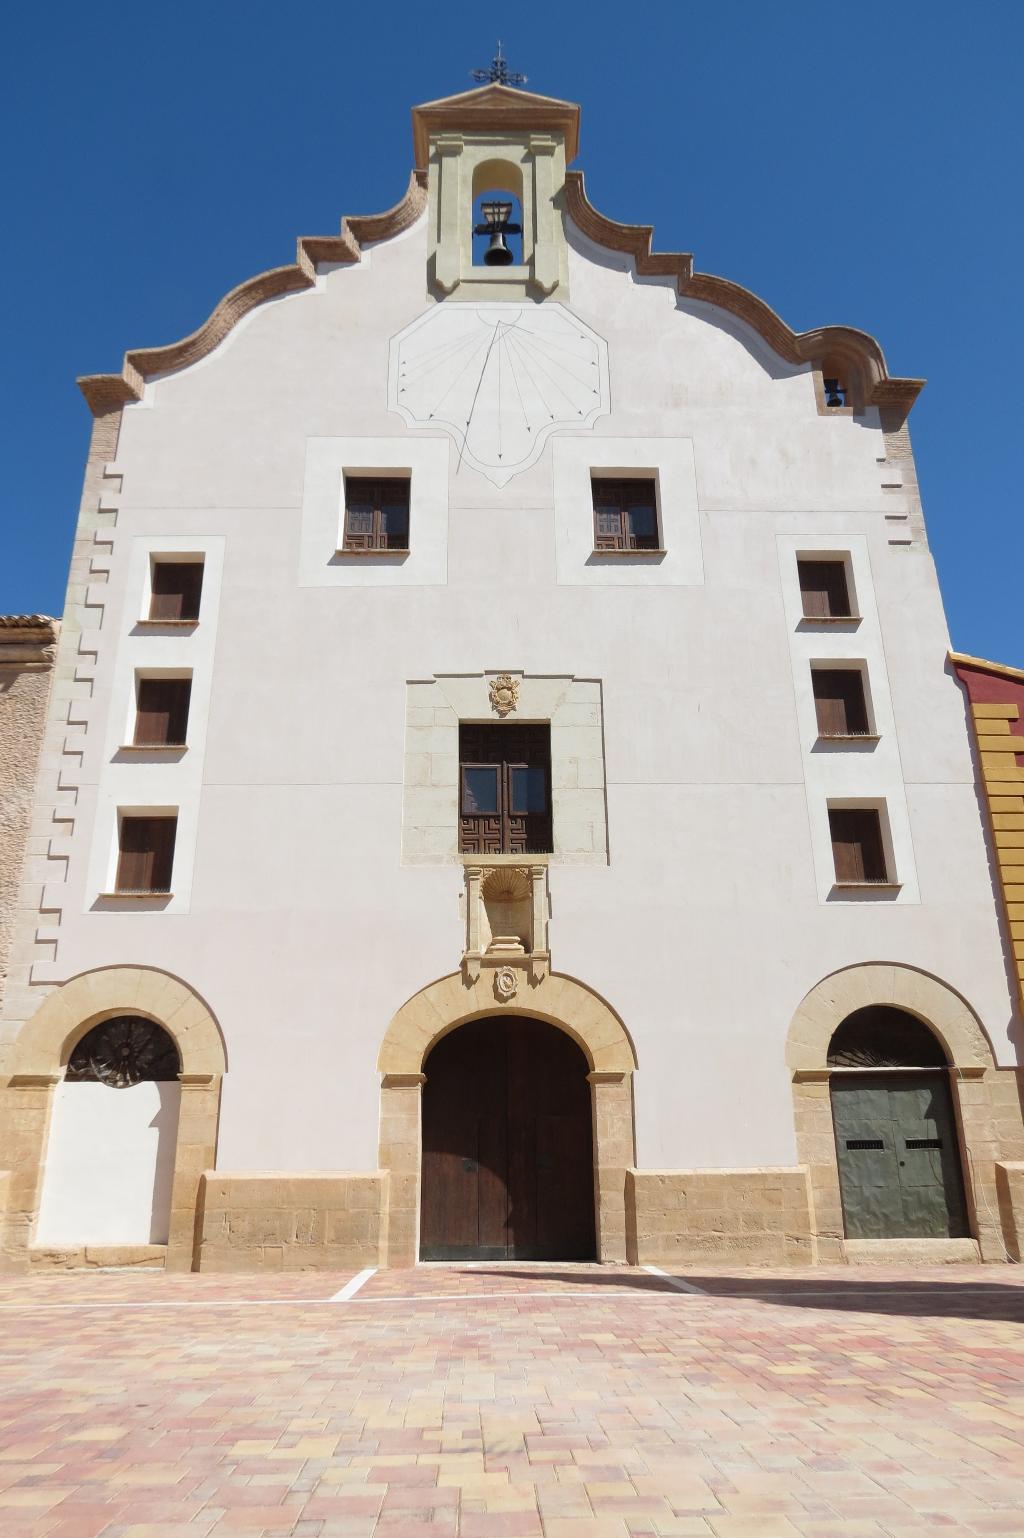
[[109, 1165]]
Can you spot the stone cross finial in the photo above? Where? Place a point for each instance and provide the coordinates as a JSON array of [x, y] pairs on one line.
[[499, 72]]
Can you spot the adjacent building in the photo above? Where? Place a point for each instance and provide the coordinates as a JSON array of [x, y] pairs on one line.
[[506, 794]]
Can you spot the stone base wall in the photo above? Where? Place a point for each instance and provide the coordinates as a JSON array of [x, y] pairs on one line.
[[143, 1257], [744, 1216], [283, 1222], [1010, 1196]]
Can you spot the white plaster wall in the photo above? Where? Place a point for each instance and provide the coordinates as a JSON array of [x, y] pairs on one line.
[[705, 925], [109, 1165]]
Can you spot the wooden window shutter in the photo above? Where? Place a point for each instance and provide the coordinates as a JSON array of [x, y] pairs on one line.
[[162, 711], [839, 702], [376, 514], [857, 844], [176, 590], [824, 589], [625, 513], [146, 854]]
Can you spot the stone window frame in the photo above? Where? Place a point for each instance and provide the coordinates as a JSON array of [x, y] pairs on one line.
[[425, 462], [576, 462], [436, 705]]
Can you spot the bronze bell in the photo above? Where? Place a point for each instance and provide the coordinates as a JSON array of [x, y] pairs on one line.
[[496, 224], [497, 253]]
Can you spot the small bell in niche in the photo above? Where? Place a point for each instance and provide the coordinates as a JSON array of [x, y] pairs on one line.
[[496, 224]]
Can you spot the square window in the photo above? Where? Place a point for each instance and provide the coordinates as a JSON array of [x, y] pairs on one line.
[[376, 514], [858, 848], [824, 588], [145, 853], [625, 513], [840, 702], [175, 591], [161, 712]]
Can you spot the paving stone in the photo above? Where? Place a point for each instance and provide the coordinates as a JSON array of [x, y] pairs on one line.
[[514, 1401]]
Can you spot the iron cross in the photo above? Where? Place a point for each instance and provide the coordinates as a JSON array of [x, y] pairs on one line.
[[499, 72]]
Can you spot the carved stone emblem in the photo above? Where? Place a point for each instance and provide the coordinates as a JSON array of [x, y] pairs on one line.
[[506, 985], [504, 693]]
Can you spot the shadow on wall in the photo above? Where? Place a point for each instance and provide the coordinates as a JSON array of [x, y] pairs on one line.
[[165, 1122]]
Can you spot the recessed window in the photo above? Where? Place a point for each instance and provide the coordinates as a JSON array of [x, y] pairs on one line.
[[145, 854], [625, 514], [504, 789], [376, 514], [161, 712], [175, 591], [858, 848], [840, 703], [824, 588]]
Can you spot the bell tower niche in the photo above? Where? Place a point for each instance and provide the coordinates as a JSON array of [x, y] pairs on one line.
[[495, 161]]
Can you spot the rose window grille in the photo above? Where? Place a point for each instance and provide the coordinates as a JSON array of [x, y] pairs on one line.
[[879, 1036], [124, 1051]]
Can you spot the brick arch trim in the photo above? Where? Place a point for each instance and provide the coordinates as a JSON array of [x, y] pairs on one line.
[[47, 1040], [561, 1001], [109, 392], [829, 1002], [859, 354]]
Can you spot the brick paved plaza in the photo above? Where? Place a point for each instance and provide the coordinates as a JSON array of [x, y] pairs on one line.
[[514, 1402]]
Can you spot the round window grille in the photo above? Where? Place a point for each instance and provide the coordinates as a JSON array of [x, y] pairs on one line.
[[124, 1051], [882, 1037]]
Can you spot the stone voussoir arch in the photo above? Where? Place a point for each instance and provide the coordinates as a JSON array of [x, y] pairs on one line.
[[563, 1002], [47, 1039], [451, 1001], [40, 1058], [939, 1006]]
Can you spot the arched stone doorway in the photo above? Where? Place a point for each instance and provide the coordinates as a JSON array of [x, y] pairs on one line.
[[41, 1057], [455, 1000], [508, 1149], [980, 1092], [110, 1152], [897, 1145]]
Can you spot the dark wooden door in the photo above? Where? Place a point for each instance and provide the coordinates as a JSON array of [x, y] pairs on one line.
[[505, 789], [508, 1162], [899, 1158]]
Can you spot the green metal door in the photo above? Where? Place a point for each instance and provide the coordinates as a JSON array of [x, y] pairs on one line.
[[899, 1160]]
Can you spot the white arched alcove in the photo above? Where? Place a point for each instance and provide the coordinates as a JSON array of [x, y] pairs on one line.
[[109, 1165]]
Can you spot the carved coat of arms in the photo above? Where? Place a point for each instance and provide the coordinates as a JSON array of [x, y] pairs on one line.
[[504, 693]]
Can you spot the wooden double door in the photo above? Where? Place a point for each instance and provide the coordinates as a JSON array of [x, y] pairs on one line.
[[899, 1156], [508, 1163]]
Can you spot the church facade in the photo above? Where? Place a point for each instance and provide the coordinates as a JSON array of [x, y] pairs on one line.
[[505, 793]]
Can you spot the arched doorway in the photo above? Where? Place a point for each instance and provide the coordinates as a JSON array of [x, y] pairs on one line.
[[112, 1139], [897, 1145], [508, 1149]]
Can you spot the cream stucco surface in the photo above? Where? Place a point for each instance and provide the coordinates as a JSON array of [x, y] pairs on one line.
[[707, 915], [109, 1165]]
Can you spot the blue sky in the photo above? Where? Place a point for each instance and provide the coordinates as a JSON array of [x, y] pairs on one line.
[[851, 164]]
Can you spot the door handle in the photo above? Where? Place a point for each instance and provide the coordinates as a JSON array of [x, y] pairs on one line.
[[470, 1167]]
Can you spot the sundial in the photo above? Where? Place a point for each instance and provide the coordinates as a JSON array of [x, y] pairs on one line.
[[501, 378]]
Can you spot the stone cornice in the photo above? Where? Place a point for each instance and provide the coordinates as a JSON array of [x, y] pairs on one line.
[[855, 354], [1000, 669], [28, 641], [28, 627], [495, 109], [109, 392]]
